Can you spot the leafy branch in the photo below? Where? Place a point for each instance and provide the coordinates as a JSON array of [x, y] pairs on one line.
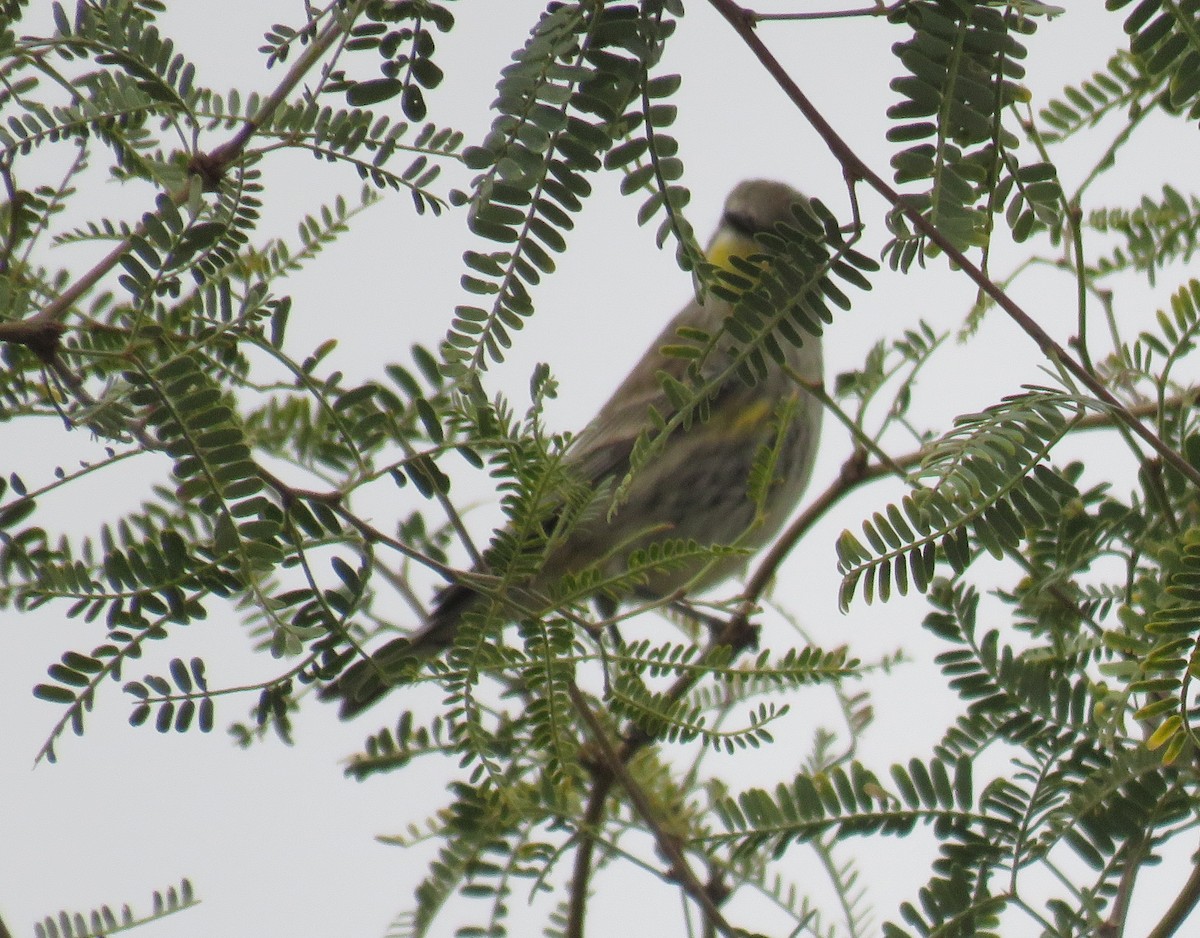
[[856, 169]]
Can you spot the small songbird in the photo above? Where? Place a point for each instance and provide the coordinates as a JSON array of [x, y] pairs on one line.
[[694, 486]]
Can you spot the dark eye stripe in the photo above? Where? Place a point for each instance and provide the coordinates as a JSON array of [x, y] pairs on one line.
[[742, 224]]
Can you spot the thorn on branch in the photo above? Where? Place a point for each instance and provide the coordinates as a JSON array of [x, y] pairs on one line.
[[749, 18]]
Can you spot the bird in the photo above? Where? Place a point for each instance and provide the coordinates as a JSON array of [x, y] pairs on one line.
[[694, 486]]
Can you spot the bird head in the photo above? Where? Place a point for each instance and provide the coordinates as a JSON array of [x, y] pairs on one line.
[[754, 207]]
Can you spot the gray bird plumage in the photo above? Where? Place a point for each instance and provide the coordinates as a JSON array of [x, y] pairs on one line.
[[695, 486]]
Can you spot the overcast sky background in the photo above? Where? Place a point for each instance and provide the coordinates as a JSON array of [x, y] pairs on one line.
[[275, 839]]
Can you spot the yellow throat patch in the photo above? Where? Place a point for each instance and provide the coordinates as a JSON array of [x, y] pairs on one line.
[[729, 244]]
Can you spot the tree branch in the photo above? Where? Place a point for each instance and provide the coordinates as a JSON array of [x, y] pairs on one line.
[[1181, 908], [205, 165], [615, 765], [738, 635], [1114, 925], [581, 872], [855, 169], [879, 9]]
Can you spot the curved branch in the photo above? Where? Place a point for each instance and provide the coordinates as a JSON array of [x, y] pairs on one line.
[[856, 169], [581, 872], [879, 9]]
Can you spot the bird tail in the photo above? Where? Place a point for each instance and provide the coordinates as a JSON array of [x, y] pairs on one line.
[[366, 682]]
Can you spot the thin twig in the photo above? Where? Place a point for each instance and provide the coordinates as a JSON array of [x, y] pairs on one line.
[[581, 873], [1114, 925], [14, 214], [334, 501], [879, 9], [668, 844], [737, 635], [856, 471]]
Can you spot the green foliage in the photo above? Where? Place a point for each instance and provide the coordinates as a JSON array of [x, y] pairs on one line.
[[982, 486], [580, 85], [1162, 37], [1156, 234], [963, 63], [406, 51], [688, 719], [387, 749], [164, 363], [189, 680], [104, 921], [1062, 790], [1121, 86], [572, 743]]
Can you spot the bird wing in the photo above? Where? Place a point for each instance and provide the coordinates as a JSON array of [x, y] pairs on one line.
[[603, 448]]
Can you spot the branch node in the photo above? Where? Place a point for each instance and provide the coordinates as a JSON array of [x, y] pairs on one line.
[[740, 634], [593, 761], [717, 889], [210, 167], [854, 469], [38, 334]]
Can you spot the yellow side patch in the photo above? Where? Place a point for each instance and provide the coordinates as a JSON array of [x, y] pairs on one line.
[[753, 416]]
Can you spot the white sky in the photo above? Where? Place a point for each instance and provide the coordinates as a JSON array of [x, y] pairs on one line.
[[274, 839]]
